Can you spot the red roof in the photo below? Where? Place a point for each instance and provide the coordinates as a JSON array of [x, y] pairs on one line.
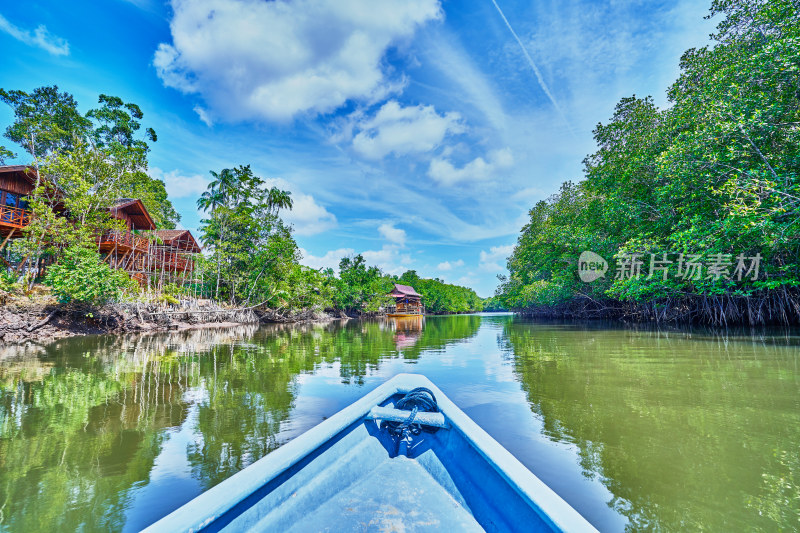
[[27, 169], [404, 290], [28, 173], [136, 210], [179, 238]]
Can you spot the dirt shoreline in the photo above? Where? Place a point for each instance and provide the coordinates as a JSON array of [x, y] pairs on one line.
[[25, 320], [42, 319]]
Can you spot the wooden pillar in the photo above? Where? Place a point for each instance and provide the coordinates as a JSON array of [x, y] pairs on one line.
[[7, 239]]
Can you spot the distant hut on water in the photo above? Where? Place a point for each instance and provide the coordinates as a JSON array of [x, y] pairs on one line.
[[408, 302]]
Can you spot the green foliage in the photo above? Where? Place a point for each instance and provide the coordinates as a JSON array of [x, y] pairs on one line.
[[715, 173], [46, 120], [118, 123], [8, 281], [82, 164], [172, 293], [81, 276], [493, 304], [360, 288], [85, 162], [49, 126], [253, 253], [5, 153]]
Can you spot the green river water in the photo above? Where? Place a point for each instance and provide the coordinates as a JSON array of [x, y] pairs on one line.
[[638, 429]]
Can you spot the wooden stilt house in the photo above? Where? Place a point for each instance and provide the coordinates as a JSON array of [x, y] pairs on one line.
[[16, 182], [408, 302], [173, 254], [129, 249]]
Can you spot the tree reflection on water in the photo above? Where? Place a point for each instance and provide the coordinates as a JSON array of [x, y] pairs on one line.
[[83, 420], [689, 431]]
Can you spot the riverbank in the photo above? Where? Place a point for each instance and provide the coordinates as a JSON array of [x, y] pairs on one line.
[[780, 307], [40, 318]]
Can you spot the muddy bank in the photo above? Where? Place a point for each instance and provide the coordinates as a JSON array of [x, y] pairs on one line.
[[778, 307], [42, 320]]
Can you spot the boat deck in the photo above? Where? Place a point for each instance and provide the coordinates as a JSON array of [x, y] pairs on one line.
[[399, 495], [349, 474]]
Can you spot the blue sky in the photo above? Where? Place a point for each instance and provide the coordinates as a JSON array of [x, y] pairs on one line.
[[416, 132]]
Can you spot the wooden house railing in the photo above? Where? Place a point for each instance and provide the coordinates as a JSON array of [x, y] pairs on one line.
[[141, 243], [14, 216], [126, 240], [410, 308]]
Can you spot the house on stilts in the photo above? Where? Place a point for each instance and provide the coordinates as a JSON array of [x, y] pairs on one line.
[[151, 256], [16, 182], [408, 302], [174, 252]]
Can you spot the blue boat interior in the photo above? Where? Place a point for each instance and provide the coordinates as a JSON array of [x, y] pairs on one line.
[[357, 482]]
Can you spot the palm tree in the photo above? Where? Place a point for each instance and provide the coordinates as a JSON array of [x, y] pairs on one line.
[[218, 195], [278, 199], [235, 193]]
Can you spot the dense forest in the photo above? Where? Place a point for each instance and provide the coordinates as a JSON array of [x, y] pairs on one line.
[[85, 162], [695, 208]]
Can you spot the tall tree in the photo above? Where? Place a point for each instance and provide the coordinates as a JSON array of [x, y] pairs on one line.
[[714, 181], [242, 227], [45, 120]]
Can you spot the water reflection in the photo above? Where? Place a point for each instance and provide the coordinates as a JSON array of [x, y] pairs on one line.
[[83, 420], [678, 429], [689, 430], [407, 330]]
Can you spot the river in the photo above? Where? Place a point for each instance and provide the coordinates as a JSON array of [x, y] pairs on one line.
[[637, 428]]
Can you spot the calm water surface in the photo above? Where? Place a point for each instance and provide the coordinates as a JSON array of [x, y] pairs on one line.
[[637, 429]]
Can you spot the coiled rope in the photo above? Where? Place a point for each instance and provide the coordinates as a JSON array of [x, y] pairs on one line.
[[419, 399]]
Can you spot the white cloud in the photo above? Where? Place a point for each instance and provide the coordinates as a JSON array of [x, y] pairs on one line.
[[389, 259], [447, 265], [444, 172], [490, 261], [392, 234], [329, 260], [203, 115], [179, 186], [39, 37], [404, 130], [466, 281], [274, 60], [496, 252], [307, 216]]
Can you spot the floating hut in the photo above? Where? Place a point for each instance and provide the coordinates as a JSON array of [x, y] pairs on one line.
[[408, 302]]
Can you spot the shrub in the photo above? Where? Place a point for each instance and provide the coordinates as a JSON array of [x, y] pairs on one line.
[[8, 281], [81, 276]]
